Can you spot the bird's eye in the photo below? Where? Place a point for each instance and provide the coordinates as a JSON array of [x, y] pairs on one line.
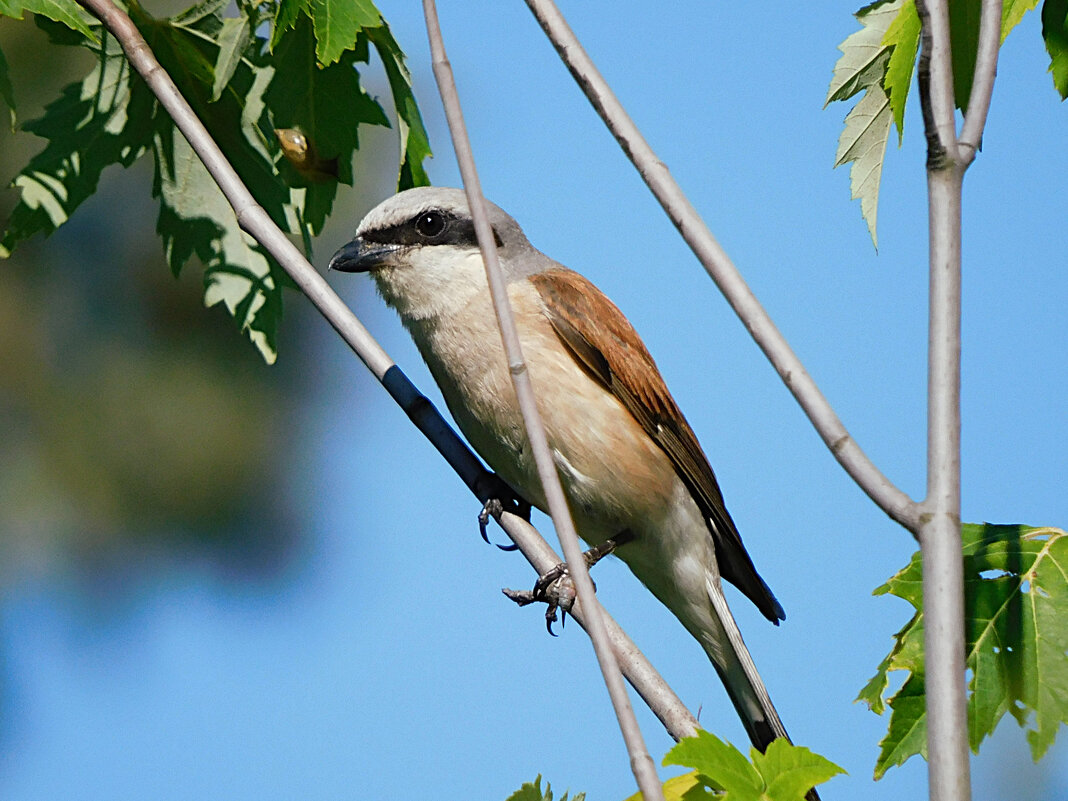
[[430, 224]]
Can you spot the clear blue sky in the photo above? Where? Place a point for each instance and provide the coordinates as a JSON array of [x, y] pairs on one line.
[[389, 666]]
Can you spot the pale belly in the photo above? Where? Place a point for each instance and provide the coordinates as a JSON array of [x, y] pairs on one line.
[[614, 475]]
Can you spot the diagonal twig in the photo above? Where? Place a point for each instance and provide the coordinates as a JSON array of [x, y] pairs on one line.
[[253, 219], [726, 276], [986, 68], [640, 761]]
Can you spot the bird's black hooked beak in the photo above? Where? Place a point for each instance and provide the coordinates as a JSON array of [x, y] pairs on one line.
[[359, 256]]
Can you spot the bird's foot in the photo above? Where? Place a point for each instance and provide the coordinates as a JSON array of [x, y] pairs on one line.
[[500, 498], [556, 587]]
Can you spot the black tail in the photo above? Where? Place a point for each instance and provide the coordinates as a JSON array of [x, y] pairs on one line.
[[746, 689]]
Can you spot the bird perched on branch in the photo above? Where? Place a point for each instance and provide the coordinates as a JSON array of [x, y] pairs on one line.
[[628, 460]]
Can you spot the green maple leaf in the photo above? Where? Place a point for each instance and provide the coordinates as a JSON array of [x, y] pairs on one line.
[[531, 791], [1055, 34], [66, 11], [326, 105], [195, 218], [862, 68], [784, 772], [687, 787], [1016, 591], [86, 130], [338, 23], [903, 40], [221, 67], [863, 142], [285, 18], [880, 60], [964, 39], [233, 41]]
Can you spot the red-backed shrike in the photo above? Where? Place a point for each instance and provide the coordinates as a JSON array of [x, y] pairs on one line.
[[628, 460]]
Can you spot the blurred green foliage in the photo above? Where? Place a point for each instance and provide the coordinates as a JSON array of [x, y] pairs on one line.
[[130, 416], [278, 87]]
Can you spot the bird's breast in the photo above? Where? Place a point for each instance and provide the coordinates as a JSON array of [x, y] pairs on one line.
[[615, 476]]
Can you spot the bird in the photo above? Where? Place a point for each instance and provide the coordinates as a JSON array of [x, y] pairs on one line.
[[628, 460]]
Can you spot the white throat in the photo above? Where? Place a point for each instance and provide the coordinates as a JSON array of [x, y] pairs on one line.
[[432, 282]]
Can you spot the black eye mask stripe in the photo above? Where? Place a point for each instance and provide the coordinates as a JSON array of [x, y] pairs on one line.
[[458, 231]]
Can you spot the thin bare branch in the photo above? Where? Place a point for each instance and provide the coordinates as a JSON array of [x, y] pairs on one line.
[[642, 676], [640, 761], [726, 276], [940, 532], [986, 68], [649, 684]]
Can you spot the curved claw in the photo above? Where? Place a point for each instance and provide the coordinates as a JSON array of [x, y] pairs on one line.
[[550, 618], [492, 508]]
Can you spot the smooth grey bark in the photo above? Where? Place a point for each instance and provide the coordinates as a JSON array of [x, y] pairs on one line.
[[640, 762], [664, 703], [935, 521]]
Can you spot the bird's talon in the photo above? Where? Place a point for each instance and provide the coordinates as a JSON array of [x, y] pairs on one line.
[[550, 618], [546, 580], [484, 517], [555, 587], [492, 508], [503, 499]]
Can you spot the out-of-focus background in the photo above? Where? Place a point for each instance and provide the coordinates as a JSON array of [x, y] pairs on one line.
[[225, 580]]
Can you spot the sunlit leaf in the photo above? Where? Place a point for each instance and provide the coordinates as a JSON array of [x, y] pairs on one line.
[[1016, 590], [194, 215], [285, 19], [879, 60], [863, 142], [66, 11], [1012, 12], [903, 36], [784, 772], [863, 59], [687, 787], [338, 23], [86, 131], [531, 791], [247, 101], [862, 68], [790, 771]]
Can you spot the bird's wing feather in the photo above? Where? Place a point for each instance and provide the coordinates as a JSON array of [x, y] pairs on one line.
[[604, 342]]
